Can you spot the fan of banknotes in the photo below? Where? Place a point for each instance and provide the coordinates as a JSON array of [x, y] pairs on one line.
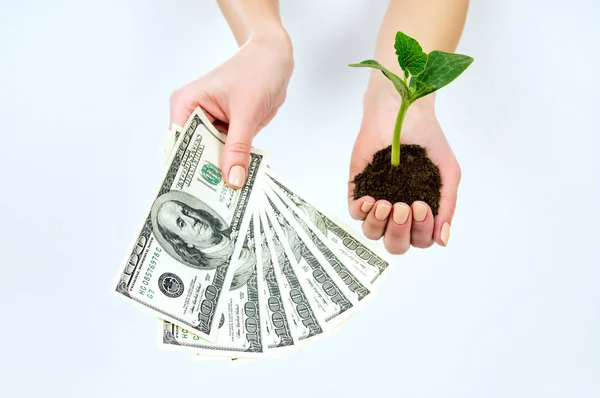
[[249, 273]]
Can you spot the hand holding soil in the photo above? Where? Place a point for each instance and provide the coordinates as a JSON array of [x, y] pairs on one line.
[[403, 175], [409, 220]]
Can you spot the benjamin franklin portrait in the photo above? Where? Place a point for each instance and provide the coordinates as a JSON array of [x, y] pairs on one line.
[[195, 235]]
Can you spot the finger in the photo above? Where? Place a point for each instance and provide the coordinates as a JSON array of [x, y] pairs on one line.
[[361, 207], [361, 156], [422, 225], [186, 99], [236, 154], [180, 108], [374, 225], [397, 233], [451, 175]]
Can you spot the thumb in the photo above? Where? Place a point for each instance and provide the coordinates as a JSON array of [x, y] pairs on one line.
[[450, 175], [236, 155]]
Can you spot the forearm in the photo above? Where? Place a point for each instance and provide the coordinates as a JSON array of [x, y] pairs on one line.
[[253, 18], [435, 24]]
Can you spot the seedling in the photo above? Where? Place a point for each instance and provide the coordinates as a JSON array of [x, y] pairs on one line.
[[423, 75]]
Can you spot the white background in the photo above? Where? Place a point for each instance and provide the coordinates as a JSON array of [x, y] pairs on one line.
[[511, 308]]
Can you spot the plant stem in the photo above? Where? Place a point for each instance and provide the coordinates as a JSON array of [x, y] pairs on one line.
[[397, 129]]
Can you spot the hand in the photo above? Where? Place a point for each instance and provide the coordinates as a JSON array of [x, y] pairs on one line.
[[402, 224], [240, 97]]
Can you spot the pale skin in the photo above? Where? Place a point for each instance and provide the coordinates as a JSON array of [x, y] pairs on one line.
[[243, 95], [437, 25]]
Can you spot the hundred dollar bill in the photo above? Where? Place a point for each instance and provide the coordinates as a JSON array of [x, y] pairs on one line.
[[171, 139], [357, 290], [240, 327], [277, 334], [178, 266], [365, 262], [305, 324], [331, 298]]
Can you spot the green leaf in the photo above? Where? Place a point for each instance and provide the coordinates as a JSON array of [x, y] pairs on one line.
[[420, 89], [441, 69], [398, 82], [410, 55]]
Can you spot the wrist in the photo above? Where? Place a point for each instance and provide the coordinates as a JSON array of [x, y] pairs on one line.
[[251, 20], [275, 36], [276, 47]]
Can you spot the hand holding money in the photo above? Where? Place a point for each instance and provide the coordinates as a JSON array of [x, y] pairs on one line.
[[241, 96], [247, 273]]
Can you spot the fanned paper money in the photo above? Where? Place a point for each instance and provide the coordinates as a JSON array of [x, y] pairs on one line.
[[243, 274], [182, 262], [361, 258], [241, 324]]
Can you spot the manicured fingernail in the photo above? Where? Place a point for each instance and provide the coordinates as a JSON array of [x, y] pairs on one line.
[[366, 206], [382, 211], [445, 233], [400, 214], [237, 175], [419, 211]]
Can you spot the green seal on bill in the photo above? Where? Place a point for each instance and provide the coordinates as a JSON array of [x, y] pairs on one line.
[[211, 174]]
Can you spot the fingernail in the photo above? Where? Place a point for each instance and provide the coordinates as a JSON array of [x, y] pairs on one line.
[[237, 175], [419, 211], [382, 211], [366, 206], [445, 233], [400, 214]]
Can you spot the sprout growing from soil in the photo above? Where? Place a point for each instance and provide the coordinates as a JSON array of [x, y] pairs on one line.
[[423, 74]]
